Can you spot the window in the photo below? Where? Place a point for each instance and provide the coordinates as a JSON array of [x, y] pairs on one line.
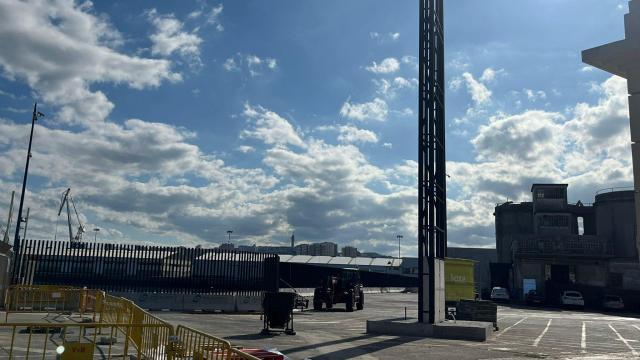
[[550, 193], [580, 225], [554, 220]]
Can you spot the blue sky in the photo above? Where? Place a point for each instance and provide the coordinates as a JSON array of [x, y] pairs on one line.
[[173, 122]]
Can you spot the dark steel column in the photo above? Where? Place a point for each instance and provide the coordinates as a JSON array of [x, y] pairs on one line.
[[432, 209]]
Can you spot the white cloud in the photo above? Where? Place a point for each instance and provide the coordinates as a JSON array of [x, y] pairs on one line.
[[455, 83], [270, 127], [387, 145], [406, 112], [534, 95], [246, 149], [586, 69], [350, 134], [386, 66], [489, 75], [373, 110], [478, 91], [213, 17], [77, 53], [169, 37], [253, 64], [230, 65], [390, 88], [382, 38]]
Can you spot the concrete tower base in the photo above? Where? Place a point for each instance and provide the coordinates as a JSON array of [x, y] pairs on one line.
[[454, 330]]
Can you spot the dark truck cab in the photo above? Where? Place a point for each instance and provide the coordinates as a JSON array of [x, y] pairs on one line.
[[343, 287]]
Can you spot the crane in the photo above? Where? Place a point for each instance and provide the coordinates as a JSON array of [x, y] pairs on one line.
[[65, 200]]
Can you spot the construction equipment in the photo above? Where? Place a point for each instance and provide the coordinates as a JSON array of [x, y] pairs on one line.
[[344, 287], [65, 200], [5, 238]]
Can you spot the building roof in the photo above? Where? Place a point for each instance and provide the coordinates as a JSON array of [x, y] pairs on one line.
[[340, 260]]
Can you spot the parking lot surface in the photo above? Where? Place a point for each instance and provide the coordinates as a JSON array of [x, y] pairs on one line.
[[525, 333]]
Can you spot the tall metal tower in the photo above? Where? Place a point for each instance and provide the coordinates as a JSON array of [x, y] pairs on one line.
[[432, 194]]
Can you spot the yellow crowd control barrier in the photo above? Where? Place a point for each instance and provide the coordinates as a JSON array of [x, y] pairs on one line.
[[197, 345], [52, 299], [119, 328], [82, 341]]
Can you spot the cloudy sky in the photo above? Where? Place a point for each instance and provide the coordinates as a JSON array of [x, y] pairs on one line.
[[176, 121]]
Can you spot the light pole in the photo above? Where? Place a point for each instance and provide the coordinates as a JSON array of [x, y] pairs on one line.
[[95, 236], [16, 240], [399, 238], [229, 233]]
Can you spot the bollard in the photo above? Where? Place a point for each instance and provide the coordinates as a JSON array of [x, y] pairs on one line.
[[405, 313]]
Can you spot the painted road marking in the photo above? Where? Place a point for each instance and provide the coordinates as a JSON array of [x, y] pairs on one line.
[[625, 341], [509, 328], [583, 341], [537, 341], [316, 322], [636, 326]]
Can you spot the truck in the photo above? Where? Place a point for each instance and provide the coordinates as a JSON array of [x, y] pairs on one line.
[[343, 287]]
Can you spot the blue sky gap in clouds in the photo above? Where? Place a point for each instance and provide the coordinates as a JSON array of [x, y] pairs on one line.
[[176, 121]]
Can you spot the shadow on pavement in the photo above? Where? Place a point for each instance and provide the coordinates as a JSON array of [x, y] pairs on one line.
[[355, 350]]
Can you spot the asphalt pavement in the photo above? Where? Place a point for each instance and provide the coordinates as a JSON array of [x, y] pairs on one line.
[[525, 333]]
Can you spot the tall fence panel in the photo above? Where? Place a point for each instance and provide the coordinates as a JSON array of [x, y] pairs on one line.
[[136, 268]]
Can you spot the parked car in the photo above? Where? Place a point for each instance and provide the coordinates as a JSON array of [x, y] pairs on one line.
[[572, 298], [500, 294], [613, 302], [534, 298]]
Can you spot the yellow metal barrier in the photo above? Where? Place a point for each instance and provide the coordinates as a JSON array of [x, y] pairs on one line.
[[197, 345], [81, 341], [142, 333], [51, 299]]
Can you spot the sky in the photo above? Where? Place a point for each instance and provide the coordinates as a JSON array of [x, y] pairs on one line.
[[175, 121]]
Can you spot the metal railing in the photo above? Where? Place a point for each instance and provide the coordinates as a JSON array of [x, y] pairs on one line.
[[46, 298], [119, 328], [193, 344], [79, 341]]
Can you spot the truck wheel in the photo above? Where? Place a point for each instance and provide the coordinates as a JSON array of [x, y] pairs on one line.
[[329, 305], [349, 301], [360, 303]]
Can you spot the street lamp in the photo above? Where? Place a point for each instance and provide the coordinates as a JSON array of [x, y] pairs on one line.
[[95, 236], [399, 237], [229, 233]]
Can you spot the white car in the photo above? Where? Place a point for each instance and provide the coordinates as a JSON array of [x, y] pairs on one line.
[[613, 302], [500, 294], [572, 298]]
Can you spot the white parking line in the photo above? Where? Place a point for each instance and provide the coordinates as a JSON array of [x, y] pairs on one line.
[[537, 341], [625, 341], [509, 328], [636, 326], [583, 341]]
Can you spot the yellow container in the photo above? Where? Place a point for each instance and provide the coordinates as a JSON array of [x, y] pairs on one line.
[[458, 282]]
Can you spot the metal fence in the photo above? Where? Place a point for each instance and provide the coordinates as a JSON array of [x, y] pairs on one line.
[[135, 268]]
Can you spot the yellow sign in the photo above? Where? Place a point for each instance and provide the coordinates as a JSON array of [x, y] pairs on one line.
[[77, 351]]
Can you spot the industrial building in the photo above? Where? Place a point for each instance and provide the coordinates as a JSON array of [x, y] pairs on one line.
[[551, 245]]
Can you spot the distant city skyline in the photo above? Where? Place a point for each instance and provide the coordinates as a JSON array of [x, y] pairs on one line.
[[175, 122]]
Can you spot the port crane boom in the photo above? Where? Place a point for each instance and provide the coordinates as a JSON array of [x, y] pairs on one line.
[[65, 200]]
